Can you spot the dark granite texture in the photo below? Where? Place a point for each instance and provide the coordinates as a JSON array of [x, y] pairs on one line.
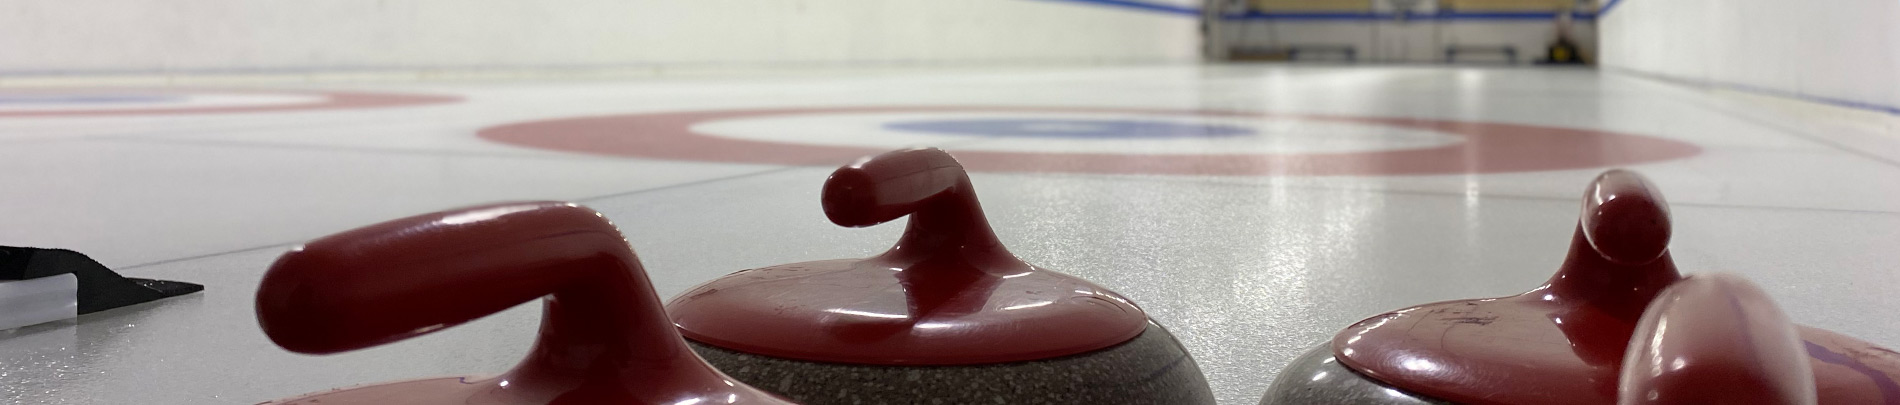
[[1150, 369], [1317, 378]]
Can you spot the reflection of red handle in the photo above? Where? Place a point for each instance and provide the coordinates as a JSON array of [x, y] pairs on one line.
[[604, 336], [1625, 218], [1715, 339]]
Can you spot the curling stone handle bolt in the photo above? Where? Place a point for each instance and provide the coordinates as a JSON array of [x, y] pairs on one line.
[[1625, 218]]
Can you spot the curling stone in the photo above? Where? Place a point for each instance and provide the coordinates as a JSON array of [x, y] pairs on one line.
[[947, 315], [604, 336], [1561, 343], [44, 285]]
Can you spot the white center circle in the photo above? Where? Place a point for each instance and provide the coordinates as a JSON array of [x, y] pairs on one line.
[[1268, 135]]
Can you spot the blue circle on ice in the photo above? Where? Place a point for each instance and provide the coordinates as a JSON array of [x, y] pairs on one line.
[[1072, 128], [84, 98]]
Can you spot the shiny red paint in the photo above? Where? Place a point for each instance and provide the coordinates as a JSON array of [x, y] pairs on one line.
[[1849, 370], [1564, 342], [331, 100], [1487, 147], [1715, 339], [948, 293], [604, 337]]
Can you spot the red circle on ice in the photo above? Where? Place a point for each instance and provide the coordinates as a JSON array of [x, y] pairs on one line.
[[1487, 147]]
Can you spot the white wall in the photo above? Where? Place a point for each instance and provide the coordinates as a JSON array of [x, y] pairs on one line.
[[139, 36], [1425, 40], [1847, 50]]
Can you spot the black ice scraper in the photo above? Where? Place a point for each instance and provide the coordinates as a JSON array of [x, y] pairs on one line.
[[44, 285]]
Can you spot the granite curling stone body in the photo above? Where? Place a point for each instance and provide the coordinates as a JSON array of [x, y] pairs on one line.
[[945, 316], [1562, 343], [604, 338]]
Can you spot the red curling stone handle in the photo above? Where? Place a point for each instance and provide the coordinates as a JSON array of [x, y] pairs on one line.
[[1625, 219], [881, 188], [928, 185], [604, 337], [412, 276], [1715, 339]]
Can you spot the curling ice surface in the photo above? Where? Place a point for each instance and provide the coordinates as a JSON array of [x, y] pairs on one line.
[[1248, 272]]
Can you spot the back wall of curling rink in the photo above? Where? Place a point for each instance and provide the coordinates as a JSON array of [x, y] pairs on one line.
[[239, 36], [1845, 52]]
